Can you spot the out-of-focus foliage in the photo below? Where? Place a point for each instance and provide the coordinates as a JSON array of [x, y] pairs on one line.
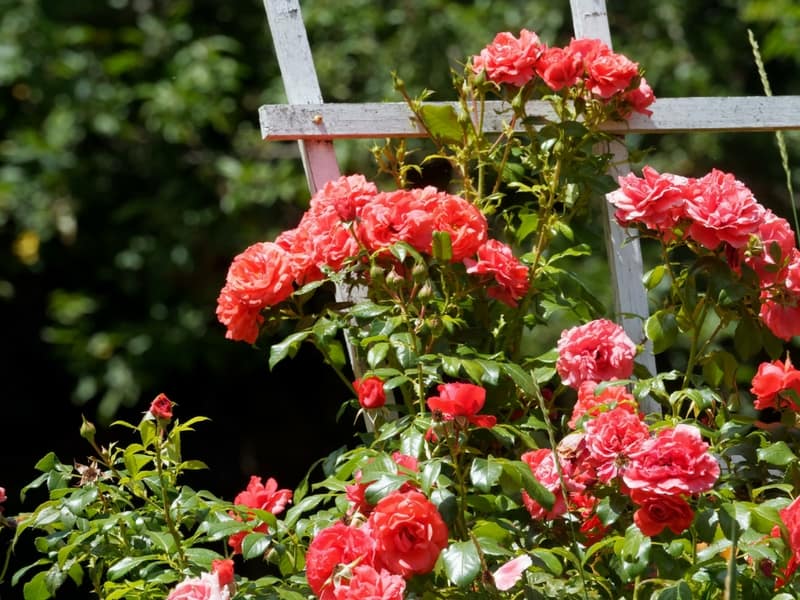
[[133, 170]]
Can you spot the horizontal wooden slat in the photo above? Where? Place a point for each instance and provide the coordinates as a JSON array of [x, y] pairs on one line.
[[394, 119]]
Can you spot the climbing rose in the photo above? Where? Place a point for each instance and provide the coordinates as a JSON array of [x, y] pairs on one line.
[[559, 68], [776, 385], [510, 277], [639, 98], [356, 492], [599, 350], [774, 250], [543, 467], [260, 496], [370, 392], [368, 583], [509, 59], [790, 515], [657, 512], [676, 461], [590, 402], [161, 407], [654, 200], [723, 210], [205, 587], [461, 220], [781, 315], [223, 567], [511, 572], [461, 400], [409, 533], [609, 73], [334, 547], [610, 439]]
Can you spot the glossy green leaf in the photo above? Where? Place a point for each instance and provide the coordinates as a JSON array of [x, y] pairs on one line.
[[485, 473], [461, 563], [662, 330], [441, 121], [777, 453]]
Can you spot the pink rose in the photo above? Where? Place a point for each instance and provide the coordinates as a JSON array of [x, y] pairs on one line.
[[641, 97], [161, 407], [409, 533], [610, 439], [723, 210], [333, 547], [654, 200], [263, 497], [657, 512], [242, 321], [781, 314], [511, 278], [370, 392], [774, 251], [368, 583], [509, 59], [775, 385], [461, 400], [592, 403], [398, 216], [543, 466], [511, 572], [596, 351], [609, 73], [462, 221], [261, 276], [346, 195], [674, 462], [204, 587]]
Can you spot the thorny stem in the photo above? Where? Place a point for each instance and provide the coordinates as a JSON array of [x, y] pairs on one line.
[[165, 504]]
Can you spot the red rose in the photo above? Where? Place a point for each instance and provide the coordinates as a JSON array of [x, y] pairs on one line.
[[461, 400], [674, 462], [775, 249], [462, 221], [261, 276], [781, 315], [776, 385], [161, 407], [559, 68], [609, 73], [367, 583], [590, 402], [370, 392], [263, 497], [224, 570], [398, 216], [336, 546], [641, 97], [409, 533], [657, 512], [509, 59], [596, 351], [242, 321], [510, 277], [790, 516]]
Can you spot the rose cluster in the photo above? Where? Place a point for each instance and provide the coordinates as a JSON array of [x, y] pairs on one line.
[[348, 217], [587, 66], [402, 536], [717, 213], [612, 444]]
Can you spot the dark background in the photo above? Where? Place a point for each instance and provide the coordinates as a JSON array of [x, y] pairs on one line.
[[132, 171]]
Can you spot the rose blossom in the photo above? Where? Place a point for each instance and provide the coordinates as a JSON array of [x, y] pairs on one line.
[[511, 572], [331, 549], [511, 277], [346, 195], [509, 59], [780, 314], [543, 466], [398, 216], [241, 320], [641, 97], [723, 210], [559, 68], [461, 400], [205, 587], [368, 583], [676, 461], [260, 496], [356, 492], [592, 403], [790, 515], [462, 221], [776, 385], [409, 533], [611, 437], [370, 392], [657, 512], [655, 200], [599, 350], [608, 73], [774, 251], [223, 567], [161, 407]]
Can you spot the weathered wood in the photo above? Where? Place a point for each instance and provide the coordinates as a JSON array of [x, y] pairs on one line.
[[281, 122]]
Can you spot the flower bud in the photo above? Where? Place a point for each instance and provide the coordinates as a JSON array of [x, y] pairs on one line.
[[88, 430]]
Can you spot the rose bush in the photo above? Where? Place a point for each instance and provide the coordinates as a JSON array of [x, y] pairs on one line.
[[505, 451]]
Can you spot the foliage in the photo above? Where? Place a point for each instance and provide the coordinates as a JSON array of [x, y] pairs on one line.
[[491, 377]]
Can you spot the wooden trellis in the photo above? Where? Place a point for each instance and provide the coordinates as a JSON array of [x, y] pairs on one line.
[[315, 125]]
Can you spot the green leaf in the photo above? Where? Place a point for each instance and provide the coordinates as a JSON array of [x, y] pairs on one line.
[[36, 588], [521, 378], [776, 453], [385, 484], [124, 566], [520, 473], [662, 329], [634, 553], [484, 473], [747, 338], [288, 347], [550, 561], [461, 563], [368, 310], [376, 354], [441, 120], [654, 276], [679, 591], [255, 545]]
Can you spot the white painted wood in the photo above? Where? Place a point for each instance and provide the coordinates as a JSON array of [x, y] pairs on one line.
[[281, 122], [301, 84], [319, 158]]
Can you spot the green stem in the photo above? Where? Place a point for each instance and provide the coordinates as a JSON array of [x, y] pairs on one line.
[[164, 500]]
